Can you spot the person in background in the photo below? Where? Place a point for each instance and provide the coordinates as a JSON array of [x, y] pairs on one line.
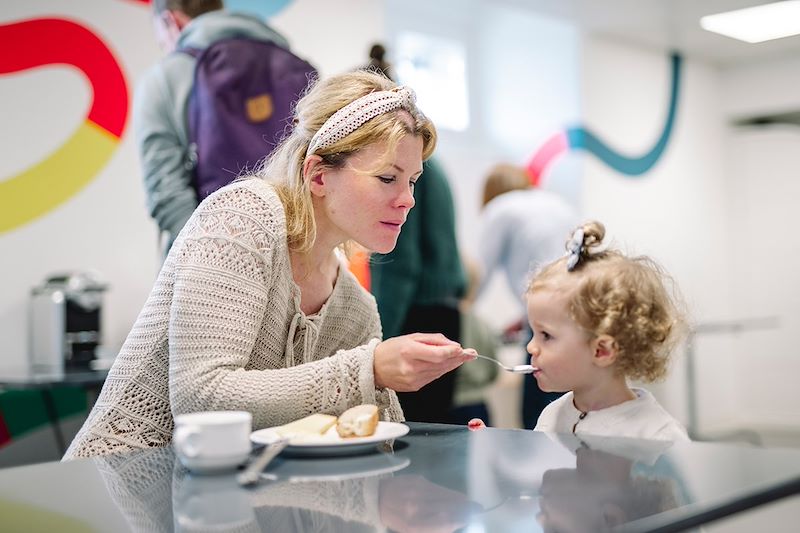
[[521, 227], [377, 61], [599, 319], [254, 309], [161, 99], [418, 286], [472, 380]]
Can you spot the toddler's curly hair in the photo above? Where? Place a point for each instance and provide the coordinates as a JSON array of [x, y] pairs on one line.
[[632, 299]]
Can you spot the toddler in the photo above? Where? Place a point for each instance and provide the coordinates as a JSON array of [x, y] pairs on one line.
[[600, 318]]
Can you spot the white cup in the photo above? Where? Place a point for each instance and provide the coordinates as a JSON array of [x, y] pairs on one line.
[[212, 441], [211, 503]]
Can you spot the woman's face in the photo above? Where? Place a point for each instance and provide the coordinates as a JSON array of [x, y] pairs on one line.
[[368, 207], [560, 348]]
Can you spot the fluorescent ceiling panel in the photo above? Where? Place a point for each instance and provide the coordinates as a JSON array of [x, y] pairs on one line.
[[757, 24]]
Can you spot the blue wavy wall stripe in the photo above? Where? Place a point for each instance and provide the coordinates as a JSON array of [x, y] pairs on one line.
[[582, 138]]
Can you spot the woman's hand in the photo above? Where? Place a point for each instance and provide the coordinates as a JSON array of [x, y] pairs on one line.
[[409, 362]]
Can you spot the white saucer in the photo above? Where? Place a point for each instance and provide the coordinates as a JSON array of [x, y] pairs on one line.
[[211, 465]]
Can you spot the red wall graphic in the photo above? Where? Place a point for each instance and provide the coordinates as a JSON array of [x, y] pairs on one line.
[[39, 43]]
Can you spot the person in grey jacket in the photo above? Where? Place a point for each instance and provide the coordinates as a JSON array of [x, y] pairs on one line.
[[161, 100]]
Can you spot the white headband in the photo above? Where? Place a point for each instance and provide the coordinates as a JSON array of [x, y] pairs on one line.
[[352, 116]]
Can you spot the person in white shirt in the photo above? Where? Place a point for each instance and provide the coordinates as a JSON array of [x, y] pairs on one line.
[[600, 318]]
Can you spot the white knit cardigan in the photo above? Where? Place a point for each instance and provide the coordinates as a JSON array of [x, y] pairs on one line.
[[222, 329]]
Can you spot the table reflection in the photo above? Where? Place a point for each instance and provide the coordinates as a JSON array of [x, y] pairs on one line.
[[155, 492], [583, 484], [438, 478], [612, 489]]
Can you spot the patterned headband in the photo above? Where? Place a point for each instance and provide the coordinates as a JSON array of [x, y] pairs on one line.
[[355, 114]]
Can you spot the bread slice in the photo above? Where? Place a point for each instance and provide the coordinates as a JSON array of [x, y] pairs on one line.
[[358, 421], [315, 425]]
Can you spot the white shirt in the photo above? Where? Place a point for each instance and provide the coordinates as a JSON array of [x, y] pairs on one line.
[[521, 230], [642, 417]]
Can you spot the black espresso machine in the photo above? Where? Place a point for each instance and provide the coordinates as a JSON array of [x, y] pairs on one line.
[[65, 322]]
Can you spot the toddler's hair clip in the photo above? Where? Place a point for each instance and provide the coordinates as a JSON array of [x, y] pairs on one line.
[[574, 247]]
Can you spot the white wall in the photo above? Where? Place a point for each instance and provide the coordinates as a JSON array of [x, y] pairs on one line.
[[762, 166], [334, 36], [761, 88], [765, 258]]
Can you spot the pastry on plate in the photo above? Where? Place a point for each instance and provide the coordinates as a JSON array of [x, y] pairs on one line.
[[358, 421], [312, 425]]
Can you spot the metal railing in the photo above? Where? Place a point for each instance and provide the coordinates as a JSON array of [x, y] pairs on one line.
[[718, 328]]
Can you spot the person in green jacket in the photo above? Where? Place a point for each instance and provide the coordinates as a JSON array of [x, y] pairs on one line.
[[418, 286]]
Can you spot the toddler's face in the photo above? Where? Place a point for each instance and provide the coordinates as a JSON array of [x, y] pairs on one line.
[[560, 348]]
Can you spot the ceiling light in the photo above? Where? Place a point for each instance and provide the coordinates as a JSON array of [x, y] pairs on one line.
[[757, 24]]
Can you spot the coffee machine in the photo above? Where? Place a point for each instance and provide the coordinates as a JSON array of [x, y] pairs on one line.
[[65, 322]]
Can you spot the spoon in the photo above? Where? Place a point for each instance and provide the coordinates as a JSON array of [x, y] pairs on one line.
[[252, 473], [517, 369]]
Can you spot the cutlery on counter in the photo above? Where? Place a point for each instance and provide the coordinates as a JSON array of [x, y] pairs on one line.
[[252, 473]]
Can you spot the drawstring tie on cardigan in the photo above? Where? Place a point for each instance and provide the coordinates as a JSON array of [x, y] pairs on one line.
[[298, 323]]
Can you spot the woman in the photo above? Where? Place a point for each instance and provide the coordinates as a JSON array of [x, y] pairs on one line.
[[253, 309]]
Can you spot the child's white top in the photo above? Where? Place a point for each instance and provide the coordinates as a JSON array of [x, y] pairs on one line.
[[642, 417]]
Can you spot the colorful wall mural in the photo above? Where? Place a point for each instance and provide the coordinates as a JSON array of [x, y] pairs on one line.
[[39, 43], [581, 138]]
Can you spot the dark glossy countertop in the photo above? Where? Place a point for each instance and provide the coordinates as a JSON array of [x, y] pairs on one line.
[[436, 478], [24, 378]]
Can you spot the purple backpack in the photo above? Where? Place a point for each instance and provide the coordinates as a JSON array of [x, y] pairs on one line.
[[240, 105]]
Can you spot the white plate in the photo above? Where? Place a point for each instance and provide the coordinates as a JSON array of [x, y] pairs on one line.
[[331, 443]]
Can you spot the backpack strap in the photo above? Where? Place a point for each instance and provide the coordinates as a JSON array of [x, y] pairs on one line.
[[190, 50]]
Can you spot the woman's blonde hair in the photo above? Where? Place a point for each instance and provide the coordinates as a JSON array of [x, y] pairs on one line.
[[503, 178], [284, 167], [632, 299]]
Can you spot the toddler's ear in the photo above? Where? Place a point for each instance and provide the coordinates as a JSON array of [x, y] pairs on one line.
[[605, 350]]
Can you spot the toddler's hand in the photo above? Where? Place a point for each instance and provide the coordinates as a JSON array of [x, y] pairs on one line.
[[475, 424]]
